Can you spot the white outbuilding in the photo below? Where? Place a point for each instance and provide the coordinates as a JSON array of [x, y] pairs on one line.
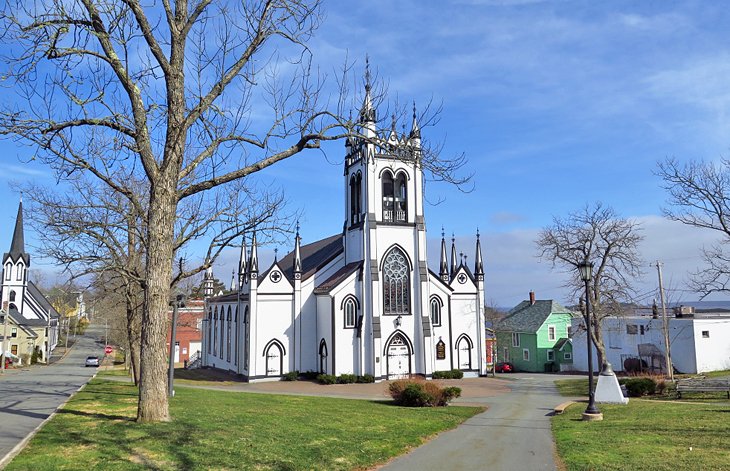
[[698, 344]]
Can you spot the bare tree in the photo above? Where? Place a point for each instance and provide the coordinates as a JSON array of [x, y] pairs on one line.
[[184, 96], [699, 196], [597, 234]]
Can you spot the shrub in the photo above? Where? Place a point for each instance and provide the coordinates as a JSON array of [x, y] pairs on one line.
[[310, 375], [326, 379], [290, 376], [448, 374], [346, 379], [366, 379], [452, 392], [637, 387], [415, 393], [35, 355]]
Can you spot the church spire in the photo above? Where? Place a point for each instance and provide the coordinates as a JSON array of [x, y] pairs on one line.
[[254, 262], [454, 266], [242, 263], [444, 265], [233, 280], [367, 113], [297, 255], [415, 130], [478, 265], [17, 245]]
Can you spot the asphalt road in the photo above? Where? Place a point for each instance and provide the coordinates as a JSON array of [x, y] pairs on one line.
[[28, 396], [513, 434]]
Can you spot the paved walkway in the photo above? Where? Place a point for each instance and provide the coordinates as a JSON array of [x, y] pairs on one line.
[[513, 434]]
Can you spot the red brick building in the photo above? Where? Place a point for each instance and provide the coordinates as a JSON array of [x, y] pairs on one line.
[[188, 337]]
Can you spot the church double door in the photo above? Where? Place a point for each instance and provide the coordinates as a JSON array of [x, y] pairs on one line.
[[399, 359]]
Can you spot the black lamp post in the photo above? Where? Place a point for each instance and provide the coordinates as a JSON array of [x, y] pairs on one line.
[[585, 269], [178, 302]]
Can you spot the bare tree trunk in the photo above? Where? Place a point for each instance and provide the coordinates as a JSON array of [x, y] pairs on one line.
[[153, 405]]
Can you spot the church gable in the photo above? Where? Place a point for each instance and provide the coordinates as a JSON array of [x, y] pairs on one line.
[[274, 281], [463, 281]]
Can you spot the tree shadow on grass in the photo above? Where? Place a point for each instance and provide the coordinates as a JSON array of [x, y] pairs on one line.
[[95, 415]]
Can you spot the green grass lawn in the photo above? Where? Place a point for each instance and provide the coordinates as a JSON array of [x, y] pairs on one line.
[[572, 387], [228, 430], [645, 435]]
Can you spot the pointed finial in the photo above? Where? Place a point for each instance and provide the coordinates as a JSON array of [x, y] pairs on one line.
[[443, 234], [453, 238], [477, 232], [368, 85], [297, 227], [276, 254], [392, 122]]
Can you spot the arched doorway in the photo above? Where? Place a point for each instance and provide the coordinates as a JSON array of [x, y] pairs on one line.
[[463, 352], [398, 357], [274, 353]]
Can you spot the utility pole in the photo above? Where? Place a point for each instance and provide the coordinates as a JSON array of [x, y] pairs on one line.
[[6, 313], [48, 338], [665, 322]]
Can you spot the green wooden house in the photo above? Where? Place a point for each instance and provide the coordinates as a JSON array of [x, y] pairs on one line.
[[534, 336]]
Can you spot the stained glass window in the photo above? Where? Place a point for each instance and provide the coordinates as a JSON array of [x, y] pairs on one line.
[[396, 283]]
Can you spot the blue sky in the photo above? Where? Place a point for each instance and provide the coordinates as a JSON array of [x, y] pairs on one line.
[[556, 104]]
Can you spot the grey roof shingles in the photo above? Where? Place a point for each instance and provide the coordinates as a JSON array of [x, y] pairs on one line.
[[526, 317], [337, 278]]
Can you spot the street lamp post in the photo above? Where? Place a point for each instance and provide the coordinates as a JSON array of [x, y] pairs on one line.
[[586, 274], [178, 302]]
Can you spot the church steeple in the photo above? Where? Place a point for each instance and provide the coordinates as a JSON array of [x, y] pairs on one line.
[[254, 262], [454, 266], [297, 255], [415, 129], [242, 263], [367, 113], [17, 245], [444, 264], [478, 265]]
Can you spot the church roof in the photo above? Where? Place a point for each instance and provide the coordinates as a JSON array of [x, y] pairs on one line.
[[313, 256], [526, 317], [337, 278], [17, 245], [42, 301]]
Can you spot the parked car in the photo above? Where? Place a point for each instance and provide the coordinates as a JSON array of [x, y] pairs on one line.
[[92, 361], [504, 367]]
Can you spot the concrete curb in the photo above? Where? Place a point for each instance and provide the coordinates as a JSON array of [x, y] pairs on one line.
[[19, 447]]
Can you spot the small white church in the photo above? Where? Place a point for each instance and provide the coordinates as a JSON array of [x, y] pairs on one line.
[[362, 301]]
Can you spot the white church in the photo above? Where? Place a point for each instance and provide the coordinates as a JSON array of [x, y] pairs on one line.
[[362, 301]]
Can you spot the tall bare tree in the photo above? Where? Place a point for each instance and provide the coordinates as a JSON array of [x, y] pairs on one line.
[[597, 234], [699, 196], [184, 95]]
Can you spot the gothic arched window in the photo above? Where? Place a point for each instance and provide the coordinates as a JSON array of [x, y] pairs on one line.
[[435, 312], [210, 327], [12, 296], [355, 198], [222, 332], [350, 313], [8, 271], [401, 198], [388, 214], [228, 336], [395, 197], [396, 283]]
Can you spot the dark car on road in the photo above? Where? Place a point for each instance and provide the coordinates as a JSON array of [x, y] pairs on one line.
[[92, 361], [504, 367]]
